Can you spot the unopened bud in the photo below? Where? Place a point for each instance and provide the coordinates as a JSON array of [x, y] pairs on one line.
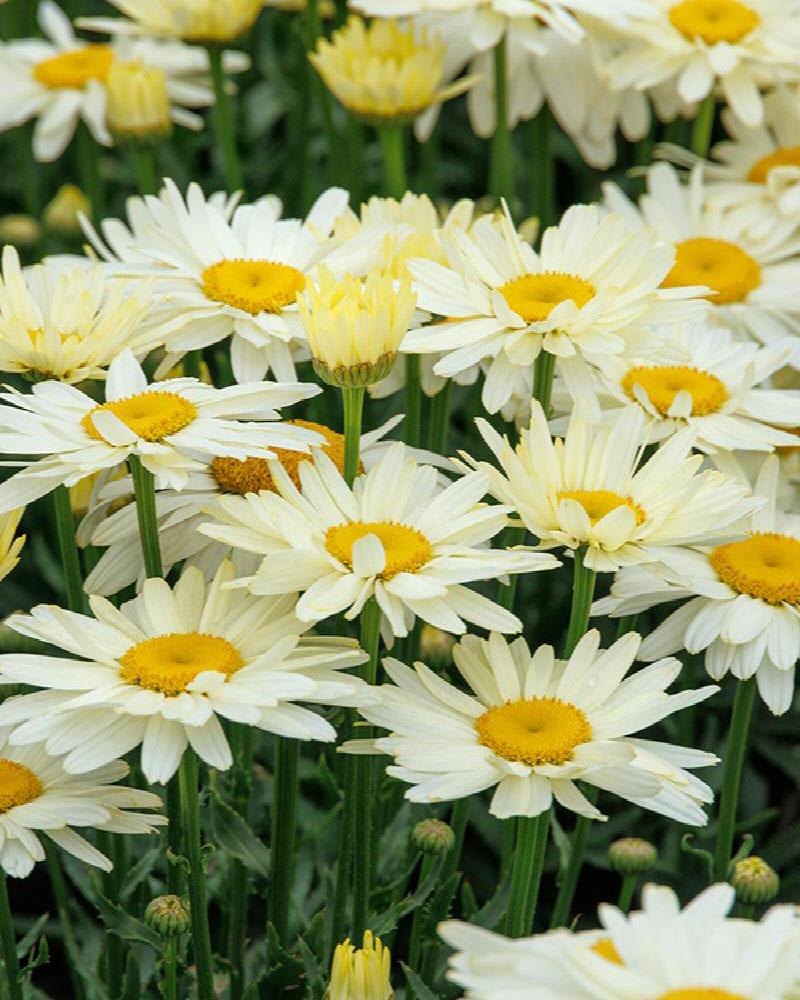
[[61, 214], [167, 915], [436, 646], [433, 836], [632, 856], [755, 881]]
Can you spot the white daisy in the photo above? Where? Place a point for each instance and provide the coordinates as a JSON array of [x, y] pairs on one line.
[[589, 489], [65, 321], [396, 535], [593, 290], [38, 796], [755, 175], [662, 952], [697, 45], [163, 669], [743, 606], [240, 277], [753, 282], [115, 528], [534, 726], [61, 80], [171, 425], [710, 385]]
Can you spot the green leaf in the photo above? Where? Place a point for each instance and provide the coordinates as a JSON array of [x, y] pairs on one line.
[[124, 925], [421, 991], [30, 939], [139, 873], [386, 922], [132, 987], [236, 838]]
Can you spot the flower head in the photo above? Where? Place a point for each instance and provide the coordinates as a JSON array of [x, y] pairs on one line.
[[361, 973], [163, 669], [138, 102], [38, 795], [533, 726], [397, 535], [384, 72], [355, 328], [191, 20]]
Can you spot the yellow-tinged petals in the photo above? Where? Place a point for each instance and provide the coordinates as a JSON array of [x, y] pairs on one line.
[[361, 973], [354, 328], [192, 20], [138, 101], [10, 547], [384, 71]]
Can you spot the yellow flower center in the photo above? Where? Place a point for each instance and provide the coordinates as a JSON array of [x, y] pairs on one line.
[[152, 416], [606, 949], [598, 503], [788, 156], [75, 69], [250, 475], [765, 565], [534, 731], [722, 266], [701, 993], [407, 550], [254, 286], [169, 663], [662, 385], [714, 21], [18, 785], [535, 296]]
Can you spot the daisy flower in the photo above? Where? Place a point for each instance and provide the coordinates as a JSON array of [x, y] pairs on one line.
[[532, 726], [697, 45], [592, 291], [240, 276], [711, 387], [170, 425], [62, 80], [179, 514], [590, 490], [204, 21], [164, 668], [753, 283], [39, 796], [662, 952], [755, 174], [743, 606], [68, 322], [396, 535]]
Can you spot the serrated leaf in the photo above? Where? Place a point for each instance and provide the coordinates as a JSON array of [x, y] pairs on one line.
[[125, 926], [421, 991], [139, 873], [30, 939], [236, 838], [386, 922]]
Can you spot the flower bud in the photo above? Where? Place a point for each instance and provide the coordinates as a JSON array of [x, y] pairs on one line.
[[436, 646], [433, 836], [167, 915], [755, 881], [61, 214], [632, 856], [138, 102]]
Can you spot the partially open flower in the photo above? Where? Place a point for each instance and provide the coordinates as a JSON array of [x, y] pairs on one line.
[[138, 102], [384, 72], [354, 328], [191, 20], [361, 973]]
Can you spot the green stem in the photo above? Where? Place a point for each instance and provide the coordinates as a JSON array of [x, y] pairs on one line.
[[284, 835], [413, 400], [192, 849], [583, 581], [627, 624], [735, 752], [89, 171], [144, 165], [145, 492], [439, 429], [569, 881], [68, 549], [169, 986], [239, 879], [704, 126], [8, 942], [394, 160], [507, 592], [174, 835], [501, 178], [544, 370], [526, 873], [627, 892], [61, 896], [353, 406], [363, 789], [192, 364], [543, 177], [420, 914], [225, 122]]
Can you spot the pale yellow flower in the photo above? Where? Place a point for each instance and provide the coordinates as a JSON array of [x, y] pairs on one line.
[[385, 72], [191, 20], [139, 106], [10, 546], [354, 328], [61, 214], [361, 973]]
